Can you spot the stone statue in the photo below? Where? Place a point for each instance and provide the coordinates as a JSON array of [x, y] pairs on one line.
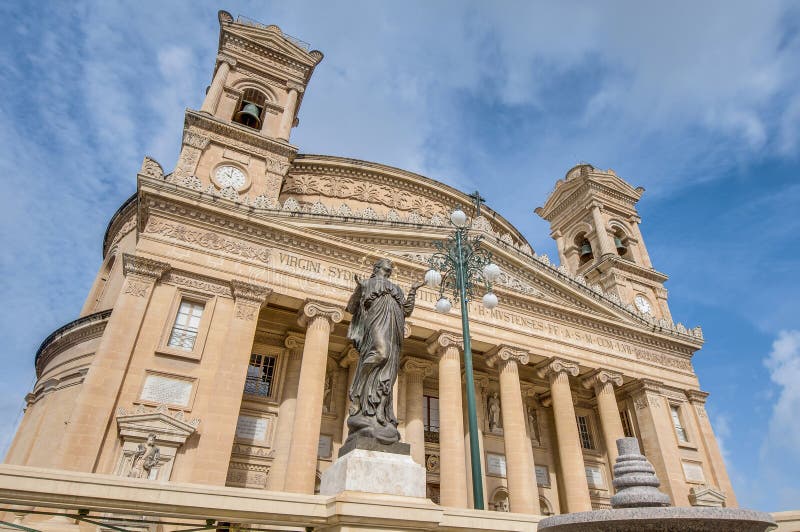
[[533, 423], [494, 412], [326, 394], [145, 458], [379, 312]]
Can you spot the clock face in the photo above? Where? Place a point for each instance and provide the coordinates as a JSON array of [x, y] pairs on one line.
[[230, 176], [642, 304]]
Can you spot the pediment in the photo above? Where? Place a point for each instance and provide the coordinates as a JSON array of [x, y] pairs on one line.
[[706, 496], [167, 427], [271, 38]]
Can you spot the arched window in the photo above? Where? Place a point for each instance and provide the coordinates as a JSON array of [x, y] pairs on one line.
[[622, 244], [251, 109]]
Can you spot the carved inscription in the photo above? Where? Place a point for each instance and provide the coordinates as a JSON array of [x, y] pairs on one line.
[[252, 428], [164, 390], [208, 240]]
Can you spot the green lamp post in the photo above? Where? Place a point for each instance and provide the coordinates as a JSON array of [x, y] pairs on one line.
[[457, 266]]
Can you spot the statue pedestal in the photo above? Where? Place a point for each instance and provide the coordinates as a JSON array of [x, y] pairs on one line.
[[374, 472]]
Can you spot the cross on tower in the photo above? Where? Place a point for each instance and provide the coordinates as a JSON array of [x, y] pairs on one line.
[[477, 200]]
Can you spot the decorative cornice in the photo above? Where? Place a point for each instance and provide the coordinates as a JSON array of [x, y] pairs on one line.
[[68, 335], [502, 354], [417, 366], [601, 376], [697, 396], [231, 134], [196, 281], [317, 309], [442, 340], [554, 366], [143, 267], [249, 292]]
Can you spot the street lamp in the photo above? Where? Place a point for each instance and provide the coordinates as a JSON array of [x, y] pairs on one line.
[[458, 263]]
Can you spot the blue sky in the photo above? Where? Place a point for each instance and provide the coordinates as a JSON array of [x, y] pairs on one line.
[[697, 102]]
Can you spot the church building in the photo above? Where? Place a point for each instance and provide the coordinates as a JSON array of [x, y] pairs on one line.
[[210, 361]]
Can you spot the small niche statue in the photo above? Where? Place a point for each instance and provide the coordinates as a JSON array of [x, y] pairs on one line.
[[145, 458], [379, 311]]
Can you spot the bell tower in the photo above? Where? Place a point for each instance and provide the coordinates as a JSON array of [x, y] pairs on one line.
[[593, 219], [238, 142]]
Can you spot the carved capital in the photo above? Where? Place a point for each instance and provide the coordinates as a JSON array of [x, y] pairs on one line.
[[407, 329], [195, 140], [317, 309], [552, 367], [151, 168], [442, 340], [291, 85], [349, 357], [143, 268], [294, 341], [251, 293], [417, 366], [224, 58], [528, 391], [697, 397], [503, 354], [600, 377]]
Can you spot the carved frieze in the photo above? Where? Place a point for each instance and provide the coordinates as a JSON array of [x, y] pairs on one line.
[[207, 240]]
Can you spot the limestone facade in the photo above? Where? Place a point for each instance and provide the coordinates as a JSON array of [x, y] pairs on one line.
[[216, 323]]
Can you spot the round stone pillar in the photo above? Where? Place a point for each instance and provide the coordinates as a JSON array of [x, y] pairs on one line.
[[415, 371], [302, 466], [287, 118], [452, 466], [523, 494], [218, 84], [603, 382], [573, 472]]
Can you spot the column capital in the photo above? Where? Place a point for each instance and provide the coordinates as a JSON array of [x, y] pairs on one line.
[[503, 354], [528, 390], [144, 268], [697, 396], [442, 340], [601, 376], [349, 356], [252, 293], [292, 86], [407, 328], [294, 341], [553, 366], [417, 366], [224, 58], [317, 309], [649, 385]]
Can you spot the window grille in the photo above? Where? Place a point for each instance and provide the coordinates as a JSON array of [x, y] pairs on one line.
[[584, 433], [676, 420], [260, 375], [187, 322], [627, 426]]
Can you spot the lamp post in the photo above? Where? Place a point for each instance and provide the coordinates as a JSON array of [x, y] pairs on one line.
[[457, 265]]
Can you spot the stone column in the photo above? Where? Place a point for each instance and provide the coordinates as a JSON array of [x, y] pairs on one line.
[[657, 435], [559, 238], [573, 472], [415, 370], [637, 234], [218, 84], [289, 110], [286, 412], [606, 245], [224, 401], [301, 471], [523, 494], [603, 382], [94, 406], [452, 466], [716, 464], [349, 361]]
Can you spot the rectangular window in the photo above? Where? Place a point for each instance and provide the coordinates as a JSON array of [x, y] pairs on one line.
[[584, 433], [676, 420], [260, 374], [187, 323], [430, 417], [627, 426]]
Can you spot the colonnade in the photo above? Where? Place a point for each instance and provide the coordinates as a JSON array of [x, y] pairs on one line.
[[294, 467]]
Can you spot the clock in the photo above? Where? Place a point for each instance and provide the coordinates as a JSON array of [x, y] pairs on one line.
[[230, 176], [642, 304]]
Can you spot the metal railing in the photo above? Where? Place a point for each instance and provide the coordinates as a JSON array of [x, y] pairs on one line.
[[241, 19]]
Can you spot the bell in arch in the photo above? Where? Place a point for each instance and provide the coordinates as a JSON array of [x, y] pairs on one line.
[[249, 115], [586, 249], [621, 247]]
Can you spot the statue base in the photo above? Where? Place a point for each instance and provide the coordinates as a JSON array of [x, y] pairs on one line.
[[371, 444], [374, 471]]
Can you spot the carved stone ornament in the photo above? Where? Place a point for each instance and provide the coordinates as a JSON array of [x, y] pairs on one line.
[[224, 58], [707, 496], [317, 309], [503, 354], [207, 240], [150, 440], [442, 340], [195, 140], [254, 293], [143, 268], [198, 282], [151, 168], [554, 366], [600, 377], [294, 342]]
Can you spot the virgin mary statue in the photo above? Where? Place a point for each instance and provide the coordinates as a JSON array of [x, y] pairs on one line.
[[379, 312]]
